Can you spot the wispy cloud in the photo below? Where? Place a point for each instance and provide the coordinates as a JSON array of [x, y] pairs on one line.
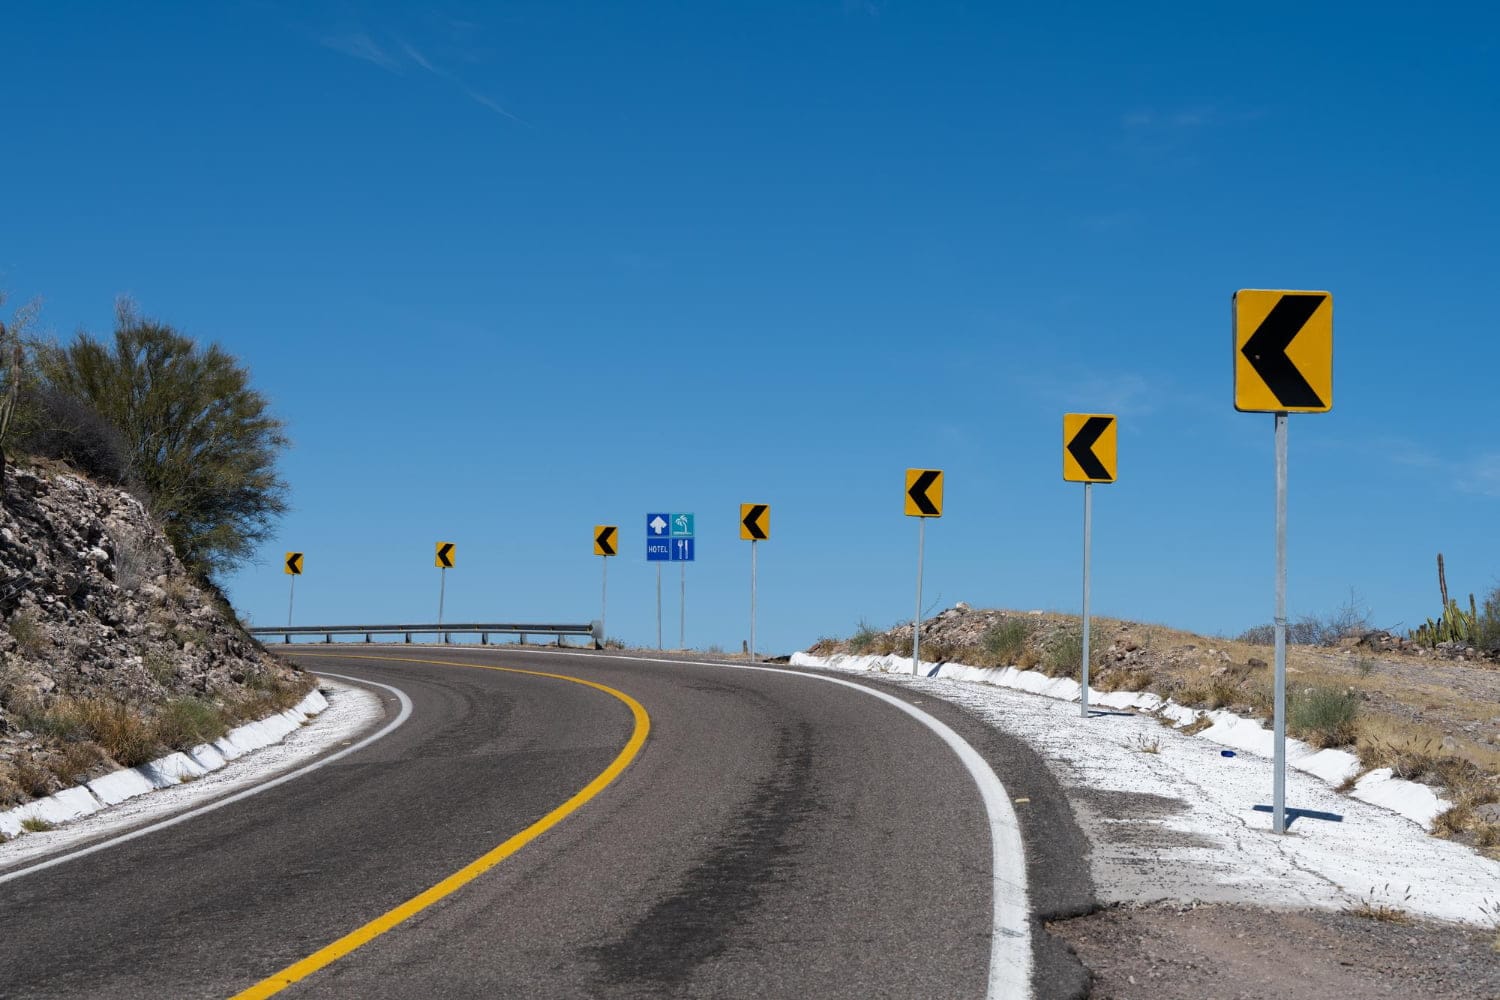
[[1475, 474], [1170, 137], [1481, 475], [399, 56], [1122, 392], [359, 45]]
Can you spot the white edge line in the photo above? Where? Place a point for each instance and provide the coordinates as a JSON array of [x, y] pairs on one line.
[[389, 728], [1010, 936]]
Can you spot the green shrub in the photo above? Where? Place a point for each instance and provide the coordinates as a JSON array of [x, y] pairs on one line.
[[1063, 656], [1323, 717], [1488, 630], [186, 722], [1004, 642], [864, 639]]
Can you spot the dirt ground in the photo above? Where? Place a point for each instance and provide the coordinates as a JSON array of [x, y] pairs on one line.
[[1171, 952]]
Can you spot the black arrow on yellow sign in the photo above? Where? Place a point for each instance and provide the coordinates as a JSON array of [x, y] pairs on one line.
[[604, 540], [1082, 448], [925, 507], [294, 564], [752, 522], [445, 555], [1267, 346]]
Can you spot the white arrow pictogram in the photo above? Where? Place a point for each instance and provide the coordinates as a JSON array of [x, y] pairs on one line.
[[657, 525]]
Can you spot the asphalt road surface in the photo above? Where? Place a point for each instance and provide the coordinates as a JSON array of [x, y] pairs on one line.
[[774, 837]]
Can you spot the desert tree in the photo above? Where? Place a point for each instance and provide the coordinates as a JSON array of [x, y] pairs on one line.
[[14, 375], [200, 442]]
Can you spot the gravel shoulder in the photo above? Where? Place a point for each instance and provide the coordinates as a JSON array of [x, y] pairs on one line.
[[1218, 952]]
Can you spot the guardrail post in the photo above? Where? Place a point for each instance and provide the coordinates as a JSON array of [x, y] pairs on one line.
[[367, 637], [328, 638], [408, 638], [287, 638], [523, 638], [484, 638], [597, 631]]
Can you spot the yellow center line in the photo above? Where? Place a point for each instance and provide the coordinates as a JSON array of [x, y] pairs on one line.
[[331, 953]]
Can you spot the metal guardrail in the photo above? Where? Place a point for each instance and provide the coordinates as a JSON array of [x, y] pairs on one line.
[[594, 630]]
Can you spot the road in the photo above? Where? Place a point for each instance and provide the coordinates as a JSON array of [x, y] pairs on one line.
[[773, 836]]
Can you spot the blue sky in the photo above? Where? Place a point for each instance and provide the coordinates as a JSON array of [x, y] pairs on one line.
[[512, 270]]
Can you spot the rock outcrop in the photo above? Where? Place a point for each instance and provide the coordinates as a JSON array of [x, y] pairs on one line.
[[110, 652]]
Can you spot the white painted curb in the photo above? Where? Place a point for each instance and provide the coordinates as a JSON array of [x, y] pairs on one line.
[[173, 769], [1416, 802]]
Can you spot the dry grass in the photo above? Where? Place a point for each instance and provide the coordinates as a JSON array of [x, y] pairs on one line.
[[939, 651], [31, 642], [1127, 679], [268, 693], [186, 722], [1467, 785], [33, 824], [1144, 744], [1004, 644], [1197, 725], [1369, 909]]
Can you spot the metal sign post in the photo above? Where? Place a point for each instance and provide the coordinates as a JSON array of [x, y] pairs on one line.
[[1270, 378], [924, 499], [752, 599], [1090, 455], [916, 621], [755, 526], [292, 567], [604, 547], [670, 538], [1278, 805], [444, 557], [1088, 535]]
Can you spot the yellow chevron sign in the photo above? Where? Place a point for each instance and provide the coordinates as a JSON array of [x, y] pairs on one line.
[[1090, 447], [446, 556], [755, 521], [1283, 351], [924, 492], [293, 566], [605, 540]]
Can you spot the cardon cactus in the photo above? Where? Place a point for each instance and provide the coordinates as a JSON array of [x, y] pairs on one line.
[[1456, 625]]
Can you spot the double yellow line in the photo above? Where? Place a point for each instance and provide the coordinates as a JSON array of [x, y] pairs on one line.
[[331, 953]]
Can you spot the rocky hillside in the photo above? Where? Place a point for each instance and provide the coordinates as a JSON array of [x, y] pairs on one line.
[[110, 653]]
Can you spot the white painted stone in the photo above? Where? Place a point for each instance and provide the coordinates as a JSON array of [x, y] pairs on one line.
[[117, 786], [1416, 802], [171, 770], [207, 757], [227, 748]]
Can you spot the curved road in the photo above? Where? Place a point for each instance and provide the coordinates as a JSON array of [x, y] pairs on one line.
[[776, 836]]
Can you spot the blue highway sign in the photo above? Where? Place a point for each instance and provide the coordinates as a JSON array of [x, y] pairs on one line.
[[658, 550], [682, 525], [657, 525], [682, 549]]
